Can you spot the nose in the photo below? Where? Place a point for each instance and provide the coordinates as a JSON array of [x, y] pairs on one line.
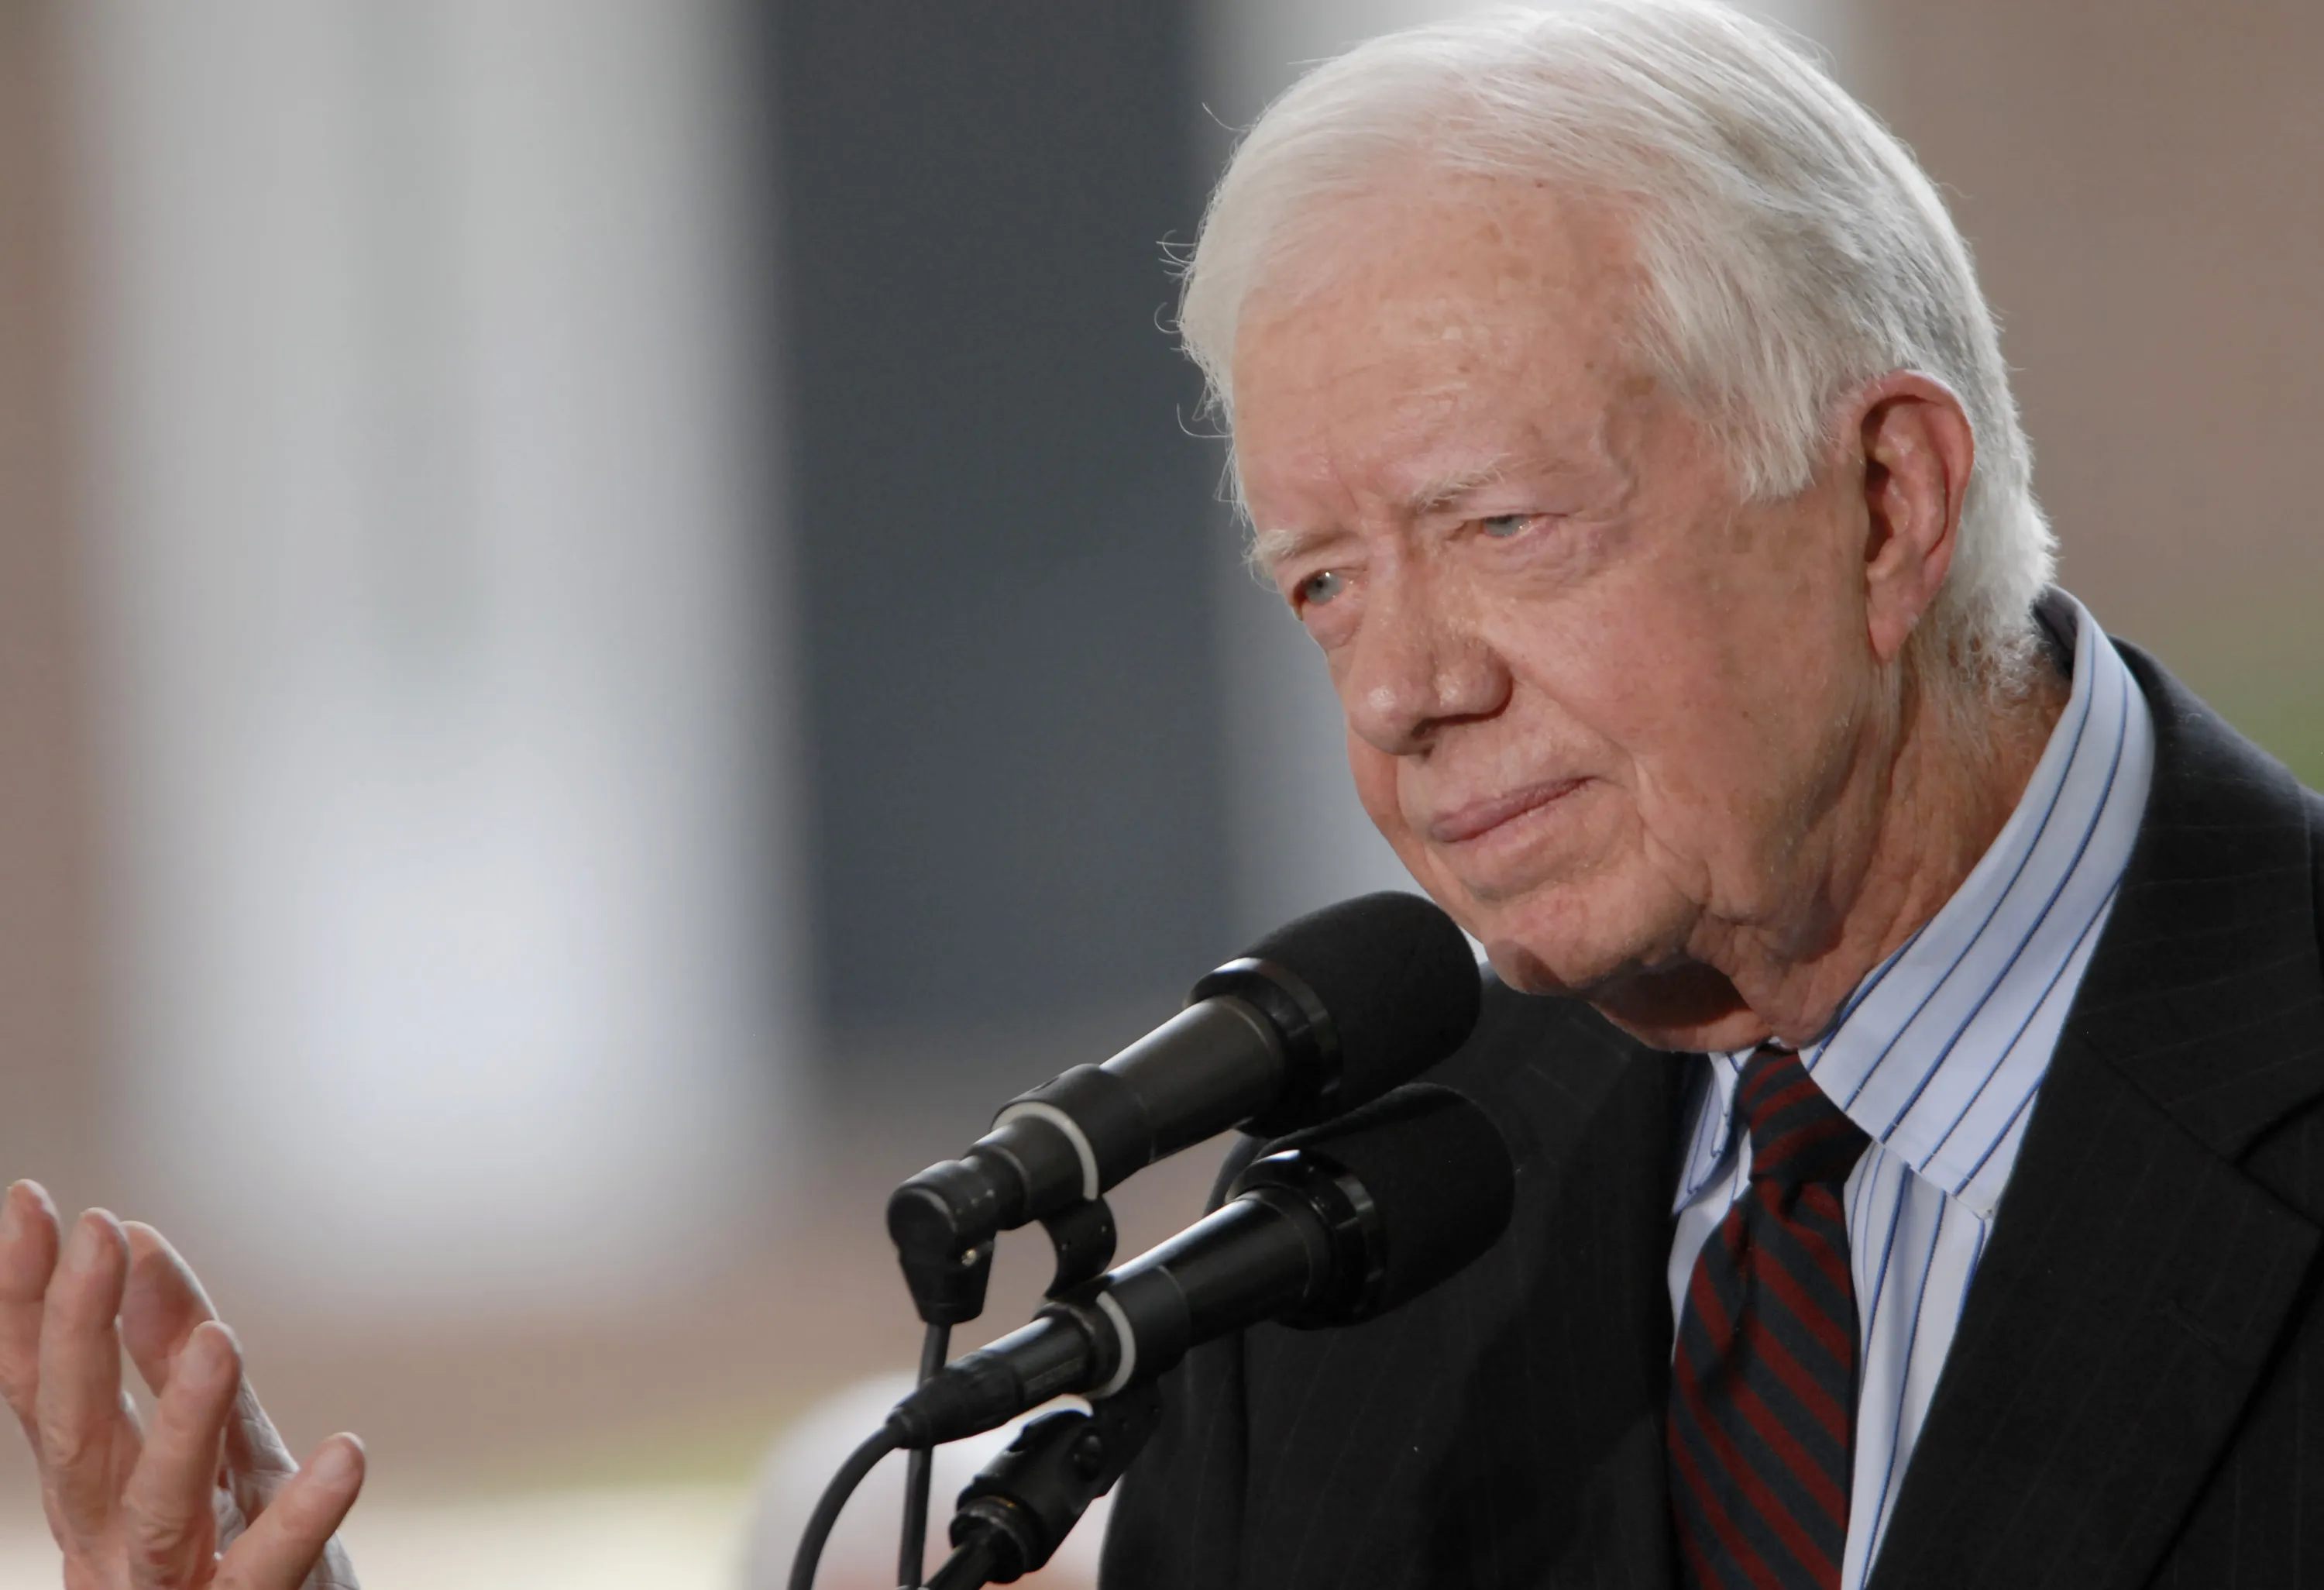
[[1417, 663]]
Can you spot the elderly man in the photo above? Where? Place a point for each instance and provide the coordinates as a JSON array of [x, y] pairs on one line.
[[1908, 1017], [1906, 1013]]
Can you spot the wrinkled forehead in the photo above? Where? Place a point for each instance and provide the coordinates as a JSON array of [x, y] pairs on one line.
[[1492, 309], [1459, 244]]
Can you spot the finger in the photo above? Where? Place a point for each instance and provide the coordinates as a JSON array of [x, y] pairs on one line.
[[169, 1520], [164, 1305], [85, 1440], [281, 1547], [28, 1257]]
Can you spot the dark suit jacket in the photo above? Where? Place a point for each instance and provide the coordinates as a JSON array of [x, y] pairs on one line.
[[2135, 1395]]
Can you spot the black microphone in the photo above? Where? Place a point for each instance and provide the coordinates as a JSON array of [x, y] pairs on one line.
[[1321, 1016], [1333, 1225]]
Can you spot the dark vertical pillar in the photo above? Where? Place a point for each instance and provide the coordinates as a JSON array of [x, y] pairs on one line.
[[1012, 763]]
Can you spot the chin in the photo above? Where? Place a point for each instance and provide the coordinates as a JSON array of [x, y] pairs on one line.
[[1520, 969], [1557, 939], [1626, 964], [1680, 1032], [1530, 967], [1683, 1007]]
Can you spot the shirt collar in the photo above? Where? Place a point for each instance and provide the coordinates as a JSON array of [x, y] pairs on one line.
[[1924, 1034]]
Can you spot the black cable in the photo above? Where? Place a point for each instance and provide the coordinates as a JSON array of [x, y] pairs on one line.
[[969, 1567], [859, 1462], [911, 1553]]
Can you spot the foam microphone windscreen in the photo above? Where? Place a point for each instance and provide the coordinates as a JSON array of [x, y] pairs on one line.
[[1398, 979], [1440, 1178]]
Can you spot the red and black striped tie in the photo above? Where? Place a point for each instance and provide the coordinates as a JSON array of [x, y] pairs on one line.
[[1763, 1384]]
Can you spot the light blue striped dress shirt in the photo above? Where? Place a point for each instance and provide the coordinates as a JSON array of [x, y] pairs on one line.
[[1938, 1057]]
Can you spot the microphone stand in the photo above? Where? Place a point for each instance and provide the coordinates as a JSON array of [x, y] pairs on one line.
[[1021, 1506], [947, 1287], [936, 1346]]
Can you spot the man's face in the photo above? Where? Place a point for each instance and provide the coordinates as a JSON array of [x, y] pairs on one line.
[[1605, 711]]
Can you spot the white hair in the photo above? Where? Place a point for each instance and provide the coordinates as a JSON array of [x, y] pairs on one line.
[[1790, 247]]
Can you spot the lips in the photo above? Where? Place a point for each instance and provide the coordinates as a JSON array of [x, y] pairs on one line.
[[1479, 818]]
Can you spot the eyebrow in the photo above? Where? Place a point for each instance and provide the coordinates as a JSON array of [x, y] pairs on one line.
[[1271, 546], [1433, 495], [1436, 495]]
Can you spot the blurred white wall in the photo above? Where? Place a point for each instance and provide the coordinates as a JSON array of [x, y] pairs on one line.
[[1301, 838], [452, 971]]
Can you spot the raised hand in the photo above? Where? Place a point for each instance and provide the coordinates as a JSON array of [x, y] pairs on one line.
[[209, 1499]]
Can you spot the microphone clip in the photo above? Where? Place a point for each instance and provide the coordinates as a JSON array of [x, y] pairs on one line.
[[1083, 1236], [947, 1281], [1020, 1507]]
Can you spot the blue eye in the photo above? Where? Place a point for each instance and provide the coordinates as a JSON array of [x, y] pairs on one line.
[[1319, 589], [1501, 526]]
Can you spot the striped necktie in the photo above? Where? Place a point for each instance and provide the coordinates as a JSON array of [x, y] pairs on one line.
[[1762, 1383]]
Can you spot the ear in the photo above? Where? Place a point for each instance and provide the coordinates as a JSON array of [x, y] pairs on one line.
[[1916, 452]]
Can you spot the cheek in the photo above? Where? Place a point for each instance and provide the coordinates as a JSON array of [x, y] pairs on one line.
[[1375, 773], [1732, 775], [1640, 698]]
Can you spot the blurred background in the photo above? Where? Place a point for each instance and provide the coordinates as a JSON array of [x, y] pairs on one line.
[[616, 619]]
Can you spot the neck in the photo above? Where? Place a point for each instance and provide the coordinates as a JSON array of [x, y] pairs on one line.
[[1924, 809]]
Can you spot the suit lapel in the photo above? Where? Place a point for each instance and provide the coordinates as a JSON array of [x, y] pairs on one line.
[[1628, 1170], [2137, 1278], [1568, 1489]]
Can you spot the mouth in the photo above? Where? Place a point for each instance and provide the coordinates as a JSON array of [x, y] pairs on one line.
[[1480, 818]]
